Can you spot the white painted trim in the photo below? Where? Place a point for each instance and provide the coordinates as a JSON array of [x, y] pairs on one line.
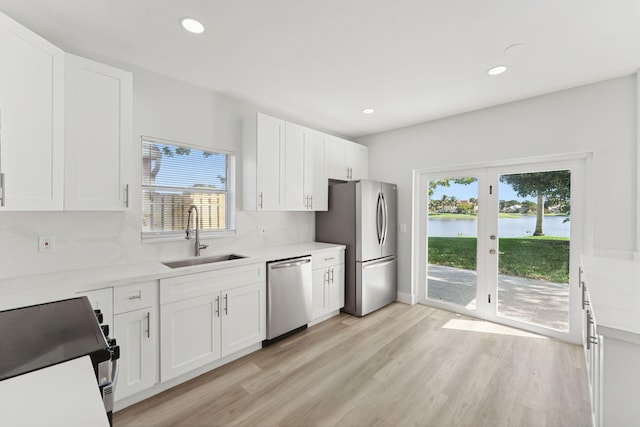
[[637, 250], [505, 162], [406, 298]]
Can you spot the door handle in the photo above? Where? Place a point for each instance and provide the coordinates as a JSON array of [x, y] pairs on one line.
[[384, 219], [148, 316], [218, 306], [226, 304], [290, 264], [379, 263]]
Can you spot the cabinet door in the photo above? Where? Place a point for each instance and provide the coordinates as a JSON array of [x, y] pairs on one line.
[[316, 184], [358, 161], [295, 172], [319, 297], [243, 317], [335, 293], [270, 163], [190, 335], [137, 337], [97, 135], [31, 120], [336, 158]]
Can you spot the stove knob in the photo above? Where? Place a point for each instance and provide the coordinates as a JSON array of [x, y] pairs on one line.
[[99, 315], [111, 342], [105, 330]]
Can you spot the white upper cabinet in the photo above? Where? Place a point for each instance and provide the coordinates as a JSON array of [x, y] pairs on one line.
[[305, 169], [31, 120], [264, 156], [98, 131], [337, 158], [287, 167], [357, 161], [347, 160]]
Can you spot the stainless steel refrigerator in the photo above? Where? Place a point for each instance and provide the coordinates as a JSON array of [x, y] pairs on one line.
[[363, 216]]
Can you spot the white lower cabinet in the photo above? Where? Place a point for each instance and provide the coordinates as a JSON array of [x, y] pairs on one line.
[[137, 339], [206, 316], [135, 328], [243, 317], [327, 283], [611, 340], [190, 335]]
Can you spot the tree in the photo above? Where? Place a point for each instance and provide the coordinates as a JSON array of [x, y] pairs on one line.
[[554, 185]]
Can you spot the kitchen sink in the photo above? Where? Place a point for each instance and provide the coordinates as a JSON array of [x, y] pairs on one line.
[[204, 260]]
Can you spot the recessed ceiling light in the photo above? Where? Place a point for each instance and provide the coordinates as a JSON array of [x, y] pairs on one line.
[[192, 25], [494, 71], [368, 110]]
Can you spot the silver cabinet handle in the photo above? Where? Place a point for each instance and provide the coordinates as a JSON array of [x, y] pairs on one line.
[[311, 201], [306, 202], [585, 302], [329, 259], [226, 304], [126, 195], [2, 190], [148, 316], [132, 297], [218, 306], [325, 276], [580, 277], [332, 275], [591, 339], [260, 200]]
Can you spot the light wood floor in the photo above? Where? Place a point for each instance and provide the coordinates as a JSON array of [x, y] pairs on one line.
[[400, 366]]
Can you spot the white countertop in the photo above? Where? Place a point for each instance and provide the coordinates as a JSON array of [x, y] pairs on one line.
[[66, 394], [614, 288], [36, 289]]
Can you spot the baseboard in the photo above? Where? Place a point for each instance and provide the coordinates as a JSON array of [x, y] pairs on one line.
[[406, 298]]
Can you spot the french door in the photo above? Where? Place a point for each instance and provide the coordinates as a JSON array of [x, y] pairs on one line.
[[502, 243]]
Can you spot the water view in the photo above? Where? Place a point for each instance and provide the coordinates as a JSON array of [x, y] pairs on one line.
[[508, 227]]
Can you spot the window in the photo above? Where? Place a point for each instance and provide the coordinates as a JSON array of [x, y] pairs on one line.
[[175, 177]]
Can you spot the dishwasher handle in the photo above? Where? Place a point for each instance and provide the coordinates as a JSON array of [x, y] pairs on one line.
[[290, 264]]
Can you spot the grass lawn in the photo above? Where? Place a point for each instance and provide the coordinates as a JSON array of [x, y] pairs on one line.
[[543, 257]]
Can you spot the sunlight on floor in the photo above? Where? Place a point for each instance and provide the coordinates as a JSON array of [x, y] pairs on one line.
[[487, 327]]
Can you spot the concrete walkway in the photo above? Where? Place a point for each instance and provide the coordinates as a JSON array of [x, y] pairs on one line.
[[528, 300]]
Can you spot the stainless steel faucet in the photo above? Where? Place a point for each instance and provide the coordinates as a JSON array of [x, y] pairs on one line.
[[196, 229]]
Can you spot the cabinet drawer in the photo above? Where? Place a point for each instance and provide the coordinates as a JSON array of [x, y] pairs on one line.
[[198, 284], [134, 297], [327, 258]]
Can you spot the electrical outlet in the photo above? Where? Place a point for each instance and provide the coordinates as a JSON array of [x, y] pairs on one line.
[[262, 230], [46, 244]]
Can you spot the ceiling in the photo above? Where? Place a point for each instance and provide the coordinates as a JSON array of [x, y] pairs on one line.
[[320, 62]]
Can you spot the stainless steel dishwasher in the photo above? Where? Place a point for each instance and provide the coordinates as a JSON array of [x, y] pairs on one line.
[[288, 295]]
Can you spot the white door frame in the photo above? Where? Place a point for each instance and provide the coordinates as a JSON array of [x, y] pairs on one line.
[[581, 230]]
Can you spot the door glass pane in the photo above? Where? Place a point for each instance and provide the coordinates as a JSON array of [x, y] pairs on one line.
[[533, 248], [452, 241]]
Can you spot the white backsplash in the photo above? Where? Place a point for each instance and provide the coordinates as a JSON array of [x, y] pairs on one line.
[[98, 239]]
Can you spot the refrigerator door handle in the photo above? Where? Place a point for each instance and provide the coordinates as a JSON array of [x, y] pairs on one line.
[[384, 219], [379, 263], [379, 218]]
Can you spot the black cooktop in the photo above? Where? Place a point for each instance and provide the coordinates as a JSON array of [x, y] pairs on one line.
[[42, 335]]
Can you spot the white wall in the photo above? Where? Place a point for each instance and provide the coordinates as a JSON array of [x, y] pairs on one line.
[[163, 108], [599, 118]]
